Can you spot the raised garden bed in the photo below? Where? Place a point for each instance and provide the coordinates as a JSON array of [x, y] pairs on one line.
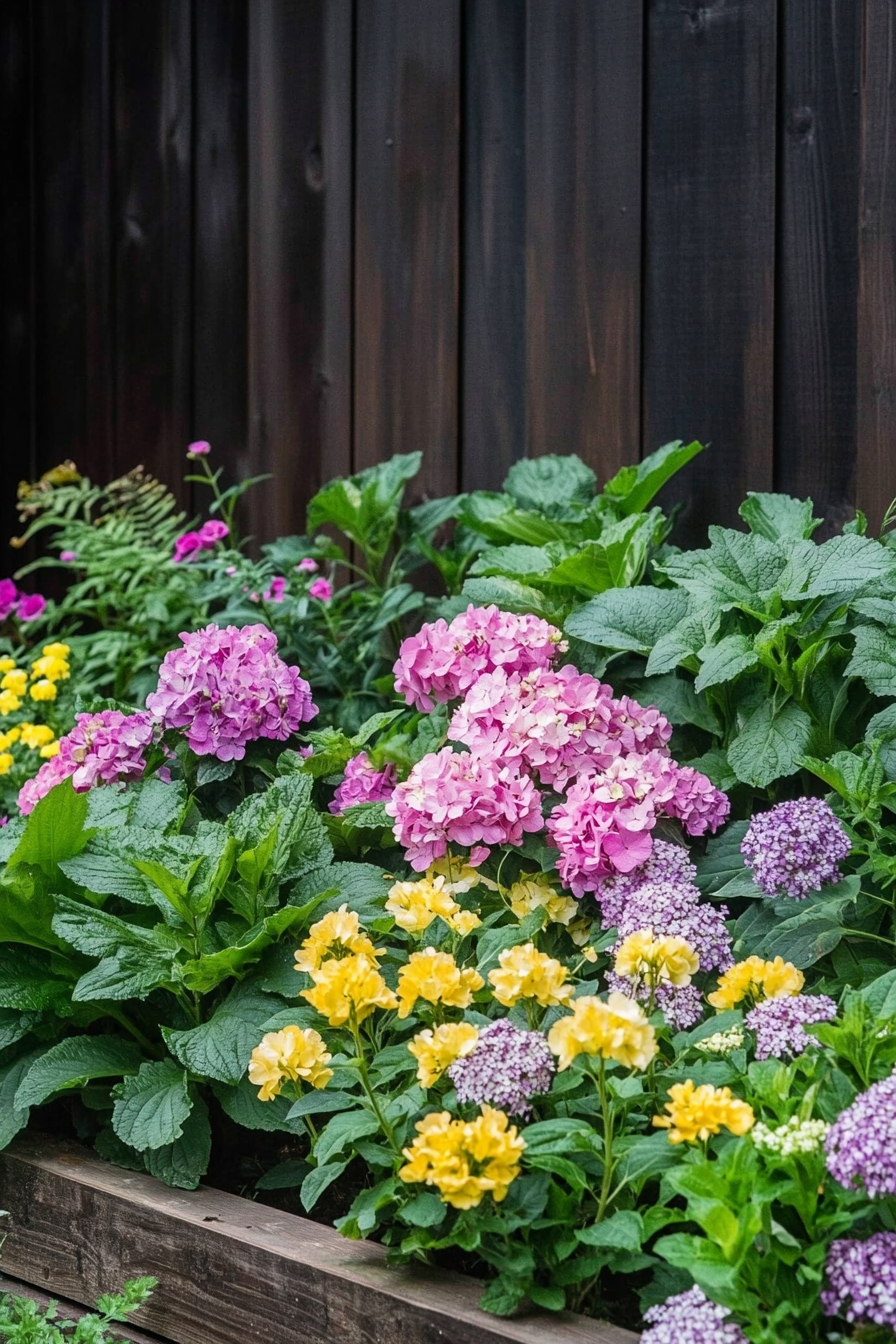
[[231, 1270]]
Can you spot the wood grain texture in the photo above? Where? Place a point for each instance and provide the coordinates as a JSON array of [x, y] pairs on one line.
[[710, 249], [230, 1270], [876, 327], [152, 220], [583, 239], [285, 254], [221, 253], [493, 307], [817, 281], [67, 1311], [406, 235], [337, 170]]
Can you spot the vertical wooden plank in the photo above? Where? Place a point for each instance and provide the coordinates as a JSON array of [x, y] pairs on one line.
[[876, 360], [710, 248], [815, 431], [221, 279], [583, 213], [338, 170], [493, 303], [285, 251], [16, 299], [406, 235], [151, 52], [96, 150]]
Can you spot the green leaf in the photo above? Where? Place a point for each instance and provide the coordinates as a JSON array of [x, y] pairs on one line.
[[360, 885], [33, 980], [284, 1176], [75, 1061], [874, 659], [365, 506], [15, 1024], [736, 570], [503, 1296], [323, 1102], [628, 621], [704, 1260], [681, 644], [184, 1162], [205, 973], [424, 1210], [55, 830], [770, 743], [157, 805], [621, 1231], [678, 700], [880, 995], [152, 1106], [107, 875], [12, 1116], [242, 1105], [221, 1048], [632, 488], [26, 909], [128, 975], [301, 843], [726, 660], [778, 517], [842, 566], [723, 859], [616, 561], [342, 1130], [714, 764], [516, 559], [550, 483], [318, 1180], [510, 595], [99, 934], [551, 1299]]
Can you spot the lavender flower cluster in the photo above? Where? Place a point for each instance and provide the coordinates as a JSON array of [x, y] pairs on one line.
[[779, 1024], [795, 848], [861, 1144], [690, 1318], [862, 1280], [363, 784], [506, 1069]]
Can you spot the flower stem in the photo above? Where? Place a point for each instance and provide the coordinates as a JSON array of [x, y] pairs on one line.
[[368, 1089], [606, 1111]]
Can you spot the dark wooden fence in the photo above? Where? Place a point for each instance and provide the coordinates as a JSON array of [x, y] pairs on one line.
[[317, 232]]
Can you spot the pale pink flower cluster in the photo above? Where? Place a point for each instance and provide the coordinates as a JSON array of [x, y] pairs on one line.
[[560, 725], [101, 749], [228, 687], [443, 661], [363, 784], [458, 799], [697, 803]]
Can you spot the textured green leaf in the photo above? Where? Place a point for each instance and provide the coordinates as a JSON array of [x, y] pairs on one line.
[[509, 594], [723, 858], [632, 488], [301, 842], [221, 1048], [633, 620], [714, 764], [128, 975], [75, 1061], [15, 1024], [698, 628], [842, 566], [770, 744], [549, 483], [874, 659], [55, 830], [736, 569], [242, 1105], [99, 934], [361, 885], [317, 1181], [342, 1130], [778, 517], [107, 875], [33, 981], [26, 909], [12, 1116], [157, 805], [724, 661], [623, 1230], [205, 973], [516, 559], [184, 1162], [152, 1105]]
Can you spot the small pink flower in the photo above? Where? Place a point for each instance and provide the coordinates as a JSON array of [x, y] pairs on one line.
[[307, 565], [199, 449], [186, 546], [275, 592], [9, 596], [31, 606], [230, 571], [321, 588], [213, 531], [67, 557]]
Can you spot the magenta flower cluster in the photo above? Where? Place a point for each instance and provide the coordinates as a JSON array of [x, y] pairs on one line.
[[458, 799], [102, 748], [779, 1024], [862, 1280], [363, 784], [443, 661], [860, 1148], [507, 1068], [690, 1318], [227, 687], [796, 848], [25, 606], [190, 544]]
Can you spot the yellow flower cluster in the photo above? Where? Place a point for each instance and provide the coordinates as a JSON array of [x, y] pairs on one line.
[[465, 1159], [697, 1112], [51, 667], [534, 892], [435, 1051], [346, 987], [414, 905], [338, 934], [755, 979], [436, 978], [525, 973], [671, 961], [613, 1029], [292, 1053]]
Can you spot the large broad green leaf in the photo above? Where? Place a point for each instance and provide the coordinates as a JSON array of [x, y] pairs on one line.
[[99, 934], [361, 885], [618, 560], [205, 973], [510, 595], [678, 700], [808, 933], [724, 661], [185, 1161], [365, 507], [623, 1230], [632, 620], [107, 875], [770, 744], [517, 560], [151, 1106], [496, 518], [778, 517], [241, 1103], [15, 1024], [318, 1180], [26, 908], [12, 1116], [301, 842], [736, 570], [842, 566], [158, 805], [55, 830], [221, 1047], [683, 643], [34, 981], [550, 484], [76, 1061], [342, 1130], [874, 659], [632, 488], [882, 729]]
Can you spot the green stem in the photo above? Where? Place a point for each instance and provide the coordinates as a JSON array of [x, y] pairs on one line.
[[135, 1031], [606, 1111], [365, 1083]]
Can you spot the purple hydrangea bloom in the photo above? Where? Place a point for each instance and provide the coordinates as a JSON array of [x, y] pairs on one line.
[[506, 1069], [100, 749], [779, 1023], [862, 1280], [681, 1005], [674, 910], [690, 1318], [861, 1144], [227, 687], [795, 848], [668, 864], [363, 784]]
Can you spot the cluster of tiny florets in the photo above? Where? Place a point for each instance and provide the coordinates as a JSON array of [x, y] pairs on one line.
[[862, 1280], [101, 749], [779, 1023], [861, 1145], [363, 783], [796, 848], [795, 1136], [506, 1068], [690, 1318], [721, 1042]]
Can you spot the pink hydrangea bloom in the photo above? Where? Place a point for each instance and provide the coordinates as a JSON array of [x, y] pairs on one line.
[[186, 546], [443, 661], [201, 448], [213, 531], [9, 596], [101, 749], [51, 773], [227, 687], [461, 799], [363, 784], [31, 605], [697, 803], [276, 590], [307, 566], [321, 588], [640, 729]]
